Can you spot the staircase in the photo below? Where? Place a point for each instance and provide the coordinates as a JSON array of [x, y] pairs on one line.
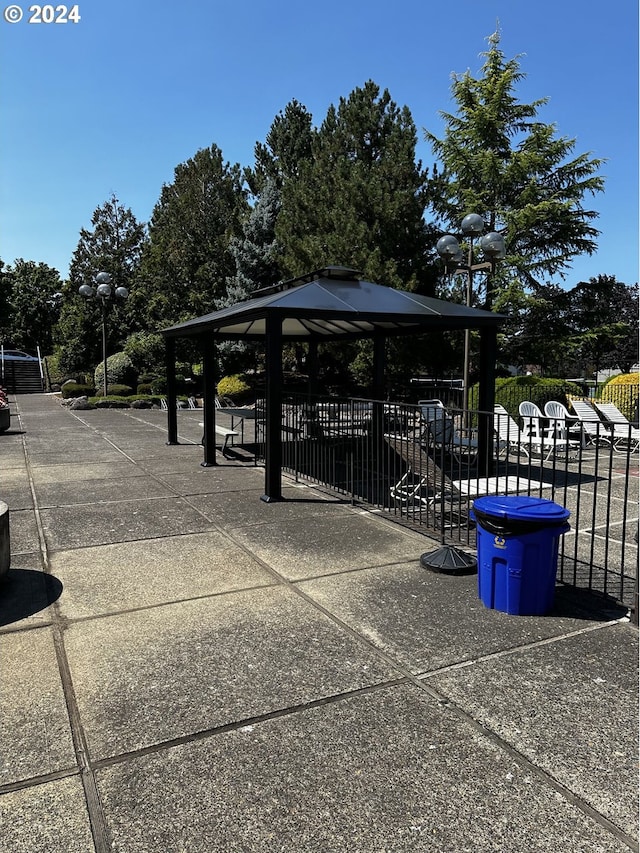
[[22, 377]]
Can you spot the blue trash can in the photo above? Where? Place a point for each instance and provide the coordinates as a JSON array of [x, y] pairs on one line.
[[518, 538]]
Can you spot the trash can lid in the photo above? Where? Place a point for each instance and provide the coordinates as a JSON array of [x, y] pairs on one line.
[[521, 507]]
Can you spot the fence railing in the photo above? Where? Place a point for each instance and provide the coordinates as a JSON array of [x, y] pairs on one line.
[[424, 469]]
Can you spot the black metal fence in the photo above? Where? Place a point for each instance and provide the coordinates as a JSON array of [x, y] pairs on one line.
[[422, 465]]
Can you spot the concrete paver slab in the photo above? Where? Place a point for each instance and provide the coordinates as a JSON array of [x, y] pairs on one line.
[[159, 674], [205, 481], [386, 771], [119, 521], [333, 542], [124, 576], [426, 620], [100, 491], [34, 726], [49, 818], [23, 531], [80, 471], [576, 715]]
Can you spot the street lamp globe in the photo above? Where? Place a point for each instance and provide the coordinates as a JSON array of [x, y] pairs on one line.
[[85, 290], [472, 225], [122, 292], [493, 246], [449, 249]]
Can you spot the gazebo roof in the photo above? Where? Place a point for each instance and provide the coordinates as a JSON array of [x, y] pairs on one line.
[[334, 303]]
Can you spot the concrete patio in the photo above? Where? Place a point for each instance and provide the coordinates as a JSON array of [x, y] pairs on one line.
[[187, 668]]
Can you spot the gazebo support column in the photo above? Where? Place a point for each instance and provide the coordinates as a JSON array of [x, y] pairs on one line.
[[209, 403], [273, 449], [486, 398], [312, 367], [172, 415]]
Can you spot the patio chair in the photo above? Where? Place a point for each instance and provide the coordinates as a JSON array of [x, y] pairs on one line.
[[424, 482], [561, 423], [441, 433], [510, 436], [594, 431], [624, 435], [538, 435]]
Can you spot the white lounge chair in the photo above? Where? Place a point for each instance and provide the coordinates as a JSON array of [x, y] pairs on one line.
[[623, 434], [510, 436], [594, 430]]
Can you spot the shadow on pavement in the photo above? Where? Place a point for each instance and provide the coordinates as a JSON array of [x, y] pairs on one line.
[[24, 592]]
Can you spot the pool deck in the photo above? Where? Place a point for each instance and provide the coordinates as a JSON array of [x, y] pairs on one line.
[[184, 667]]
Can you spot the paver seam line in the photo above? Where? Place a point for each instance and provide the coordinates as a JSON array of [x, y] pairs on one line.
[[95, 811], [43, 779]]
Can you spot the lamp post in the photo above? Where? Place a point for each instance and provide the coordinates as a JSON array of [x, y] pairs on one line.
[[103, 291], [493, 247]]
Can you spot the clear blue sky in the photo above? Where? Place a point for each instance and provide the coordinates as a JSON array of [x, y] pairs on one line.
[[117, 101]]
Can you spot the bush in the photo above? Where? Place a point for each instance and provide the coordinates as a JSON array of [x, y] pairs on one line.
[[76, 389], [115, 391], [234, 387], [514, 390], [623, 391], [159, 386], [145, 388], [120, 371]]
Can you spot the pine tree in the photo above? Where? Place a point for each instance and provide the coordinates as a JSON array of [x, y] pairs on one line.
[[188, 260], [113, 245], [499, 160], [359, 201]]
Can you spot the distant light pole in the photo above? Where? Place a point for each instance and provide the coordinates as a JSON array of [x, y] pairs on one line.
[[493, 247], [104, 292]]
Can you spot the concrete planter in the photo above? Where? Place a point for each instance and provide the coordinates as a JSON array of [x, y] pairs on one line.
[[5, 418]]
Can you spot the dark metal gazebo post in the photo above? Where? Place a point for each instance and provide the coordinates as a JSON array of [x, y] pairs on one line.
[[209, 402], [273, 454], [486, 397], [172, 415]]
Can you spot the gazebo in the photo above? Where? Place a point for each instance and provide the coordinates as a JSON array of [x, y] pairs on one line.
[[329, 304]]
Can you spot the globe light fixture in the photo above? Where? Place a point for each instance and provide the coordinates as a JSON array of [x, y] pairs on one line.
[[103, 291], [494, 249]]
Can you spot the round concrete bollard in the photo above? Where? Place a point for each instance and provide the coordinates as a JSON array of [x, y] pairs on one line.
[[5, 549]]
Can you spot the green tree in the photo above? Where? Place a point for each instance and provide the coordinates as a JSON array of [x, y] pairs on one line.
[[114, 245], [30, 295], [499, 160], [604, 324], [288, 145], [359, 199], [188, 260]]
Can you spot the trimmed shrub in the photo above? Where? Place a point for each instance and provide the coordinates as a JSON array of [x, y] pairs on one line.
[[116, 391], [76, 389], [159, 386], [512, 391], [145, 388], [120, 371], [234, 387], [623, 391]]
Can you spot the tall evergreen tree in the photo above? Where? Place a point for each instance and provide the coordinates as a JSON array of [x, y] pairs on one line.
[[113, 245], [188, 260], [499, 160], [359, 199], [288, 145]]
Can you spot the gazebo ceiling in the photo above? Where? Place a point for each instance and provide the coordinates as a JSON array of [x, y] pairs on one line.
[[334, 303]]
